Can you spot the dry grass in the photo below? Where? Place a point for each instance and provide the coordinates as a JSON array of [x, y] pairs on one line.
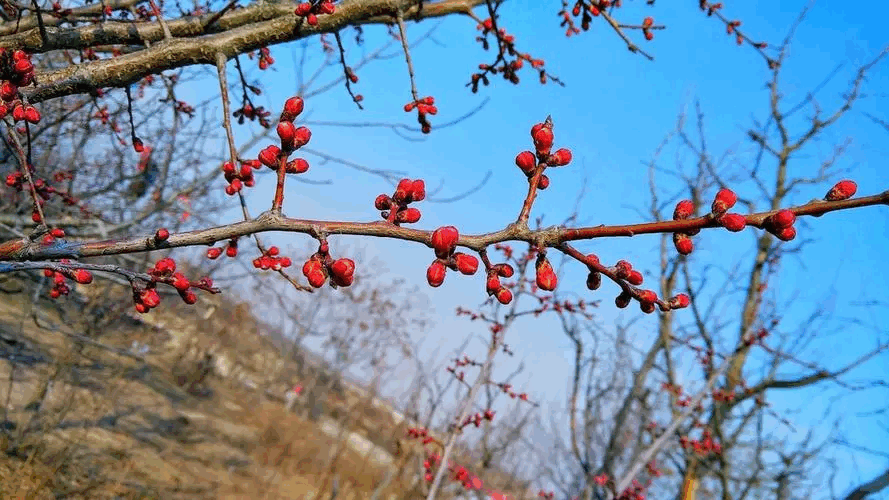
[[113, 426]]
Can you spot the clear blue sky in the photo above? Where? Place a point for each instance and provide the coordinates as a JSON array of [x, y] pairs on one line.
[[614, 111]]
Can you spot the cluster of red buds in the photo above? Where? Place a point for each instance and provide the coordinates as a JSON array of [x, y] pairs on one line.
[[506, 48], [105, 117], [50, 237], [292, 138], [469, 481], [703, 446], [420, 433], [60, 287], [270, 260], [311, 10], [753, 338], [165, 270], [647, 23], [444, 241], [265, 58], [731, 27], [424, 106], [44, 189], [711, 8], [723, 396], [507, 388], [459, 363], [673, 389], [682, 241], [781, 224], [478, 418], [529, 163], [395, 209], [431, 460], [321, 265], [16, 70], [250, 112], [236, 178], [623, 271], [58, 12], [724, 200], [493, 285], [546, 495], [588, 10], [635, 491], [231, 250]]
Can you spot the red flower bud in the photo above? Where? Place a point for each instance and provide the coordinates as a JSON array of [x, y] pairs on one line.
[[526, 161], [682, 243], [786, 234], [647, 296], [31, 114], [504, 295], [297, 166], [493, 283], [466, 264], [543, 139], [560, 158], [343, 271], [162, 234], [623, 269], [684, 209], [269, 156], [725, 199], [83, 276], [733, 222], [635, 278], [435, 275], [150, 298], [180, 282], [842, 190], [504, 270], [317, 278], [622, 300], [286, 131], [8, 91], [444, 240], [594, 280], [418, 190], [383, 202], [679, 301], [311, 266], [301, 137], [543, 183], [403, 191], [408, 215], [546, 277], [188, 297], [294, 106], [782, 219], [214, 253]]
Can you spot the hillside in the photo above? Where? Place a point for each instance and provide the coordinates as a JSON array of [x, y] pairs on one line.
[[186, 402]]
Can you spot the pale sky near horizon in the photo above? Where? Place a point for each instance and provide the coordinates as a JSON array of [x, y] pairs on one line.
[[614, 111]]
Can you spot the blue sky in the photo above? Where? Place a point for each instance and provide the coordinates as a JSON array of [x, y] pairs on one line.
[[613, 112]]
